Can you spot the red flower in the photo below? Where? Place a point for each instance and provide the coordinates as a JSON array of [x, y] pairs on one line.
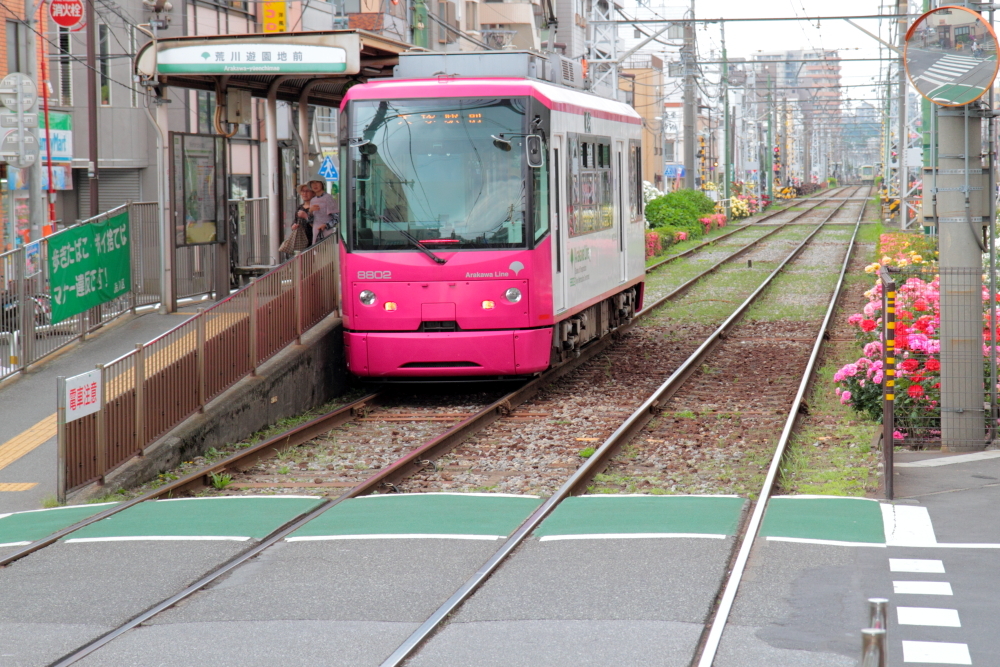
[[918, 378], [909, 365], [932, 365], [915, 391], [920, 305], [868, 325], [937, 385]]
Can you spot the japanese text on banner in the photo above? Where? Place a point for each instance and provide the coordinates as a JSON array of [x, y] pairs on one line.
[[89, 265]]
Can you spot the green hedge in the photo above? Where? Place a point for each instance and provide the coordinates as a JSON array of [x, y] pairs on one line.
[[680, 210]]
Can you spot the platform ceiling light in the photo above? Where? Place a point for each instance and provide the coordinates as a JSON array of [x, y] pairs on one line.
[[513, 295], [390, 306], [367, 297], [489, 305]]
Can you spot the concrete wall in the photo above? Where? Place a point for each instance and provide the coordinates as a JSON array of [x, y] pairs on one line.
[[299, 378]]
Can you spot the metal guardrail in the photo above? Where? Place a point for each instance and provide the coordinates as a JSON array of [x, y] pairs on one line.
[[873, 638], [152, 389], [27, 334]]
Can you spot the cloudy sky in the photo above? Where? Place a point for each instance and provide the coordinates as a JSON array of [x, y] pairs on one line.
[[749, 38]]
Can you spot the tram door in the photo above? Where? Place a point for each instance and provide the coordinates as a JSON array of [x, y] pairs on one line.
[[557, 205], [620, 181]]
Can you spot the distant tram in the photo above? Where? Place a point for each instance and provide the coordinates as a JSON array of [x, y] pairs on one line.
[[867, 175]]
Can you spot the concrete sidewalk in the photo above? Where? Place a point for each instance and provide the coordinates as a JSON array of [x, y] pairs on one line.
[[28, 405]]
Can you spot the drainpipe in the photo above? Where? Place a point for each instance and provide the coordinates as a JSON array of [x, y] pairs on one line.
[[273, 204]]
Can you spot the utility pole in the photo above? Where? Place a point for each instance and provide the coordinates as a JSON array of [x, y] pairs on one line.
[[688, 59], [35, 208], [92, 171], [727, 139], [902, 7], [770, 140]]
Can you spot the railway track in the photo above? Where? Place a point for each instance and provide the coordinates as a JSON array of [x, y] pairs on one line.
[[381, 418]]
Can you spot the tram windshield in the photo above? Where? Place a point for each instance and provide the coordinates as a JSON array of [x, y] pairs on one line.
[[441, 174]]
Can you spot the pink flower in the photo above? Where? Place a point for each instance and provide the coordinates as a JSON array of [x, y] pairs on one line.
[[873, 349], [877, 378], [855, 318], [870, 308], [896, 435], [845, 398]]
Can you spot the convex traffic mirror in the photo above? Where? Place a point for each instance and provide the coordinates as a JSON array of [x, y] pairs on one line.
[[951, 56]]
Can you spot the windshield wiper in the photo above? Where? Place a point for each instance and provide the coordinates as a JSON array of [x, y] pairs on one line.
[[416, 242]]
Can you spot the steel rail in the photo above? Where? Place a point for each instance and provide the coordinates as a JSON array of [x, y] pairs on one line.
[[639, 418], [412, 462], [245, 458], [399, 469], [725, 606], [738, 229]]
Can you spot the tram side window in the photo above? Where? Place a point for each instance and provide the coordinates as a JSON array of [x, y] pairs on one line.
[[635, 181], [591, 187]]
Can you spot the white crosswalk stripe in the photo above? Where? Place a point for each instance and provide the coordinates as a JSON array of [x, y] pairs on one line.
[[949, 68]]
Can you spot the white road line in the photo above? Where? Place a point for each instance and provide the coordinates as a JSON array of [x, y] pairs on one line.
[[954, 69], [950, 460], [944, 618], [56, 509], [833, 543], [626, 536], [15, 544], [444, 493], [921, 588], [938, 82], [916, 565], [907, 526], [937, 653], [380, 536], [158, 538]]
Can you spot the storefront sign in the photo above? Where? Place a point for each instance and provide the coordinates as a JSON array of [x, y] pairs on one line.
[[280, 53], [275, 17], [89, 265]]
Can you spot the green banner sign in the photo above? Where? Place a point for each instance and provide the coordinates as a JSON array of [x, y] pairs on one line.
[[89, 265]]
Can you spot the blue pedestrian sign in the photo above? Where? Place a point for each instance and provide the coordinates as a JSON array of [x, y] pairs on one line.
[[673, 171], [328, 169]]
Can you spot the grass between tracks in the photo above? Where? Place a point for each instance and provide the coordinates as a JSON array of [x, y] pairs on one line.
[[831, 452]]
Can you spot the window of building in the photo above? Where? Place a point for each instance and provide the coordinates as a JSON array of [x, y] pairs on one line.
[[104, 63], [472, 16], [668, 151], [206, 112], [64, 69]]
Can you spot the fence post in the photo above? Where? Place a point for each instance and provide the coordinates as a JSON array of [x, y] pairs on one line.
[[878, 613], [873, 647], [253, 327], [889, 376], [140, 399], [297, 284], [102, 430], [200, 357], [25, 313], [61, 439]]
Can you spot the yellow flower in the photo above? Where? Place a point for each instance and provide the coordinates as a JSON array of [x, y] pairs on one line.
[[886, 259], [903, 262], [916, 259]]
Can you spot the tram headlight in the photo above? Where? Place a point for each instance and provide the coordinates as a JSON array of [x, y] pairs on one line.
[[367, 297], [513, 295]]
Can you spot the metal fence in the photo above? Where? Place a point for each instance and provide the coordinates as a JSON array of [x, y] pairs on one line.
[[940, 368], [151, 390], [27, 333]]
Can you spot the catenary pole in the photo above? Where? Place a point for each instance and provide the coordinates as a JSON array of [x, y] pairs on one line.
[[689, 101], [93, 172], [35, 207]]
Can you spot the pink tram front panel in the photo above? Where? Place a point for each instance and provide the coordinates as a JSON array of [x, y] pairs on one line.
[[409, 314]]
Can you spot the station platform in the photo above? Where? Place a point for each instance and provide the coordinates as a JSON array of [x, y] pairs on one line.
[[28, 427]]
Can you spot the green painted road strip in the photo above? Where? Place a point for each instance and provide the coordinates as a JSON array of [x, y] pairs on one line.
[[824, 520], [955, 93], [642, 516], [237, 518], [23, 528], [468, 516]]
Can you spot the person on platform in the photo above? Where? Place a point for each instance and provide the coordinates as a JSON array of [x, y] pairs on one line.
[[324, 210], [303, 214]]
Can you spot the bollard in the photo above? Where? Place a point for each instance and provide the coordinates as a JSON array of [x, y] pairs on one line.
[[877, 613], [873, 647]]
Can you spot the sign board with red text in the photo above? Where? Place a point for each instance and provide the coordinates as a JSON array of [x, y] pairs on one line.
[[66, 13], [83, 395]]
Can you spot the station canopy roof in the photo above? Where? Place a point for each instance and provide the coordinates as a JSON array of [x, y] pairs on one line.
[[333, 59]]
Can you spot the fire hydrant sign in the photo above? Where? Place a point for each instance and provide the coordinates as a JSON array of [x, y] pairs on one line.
[[89, 265], [83, 395], [66, 13]]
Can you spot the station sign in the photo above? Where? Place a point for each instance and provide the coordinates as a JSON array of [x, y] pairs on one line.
[[278, 53]]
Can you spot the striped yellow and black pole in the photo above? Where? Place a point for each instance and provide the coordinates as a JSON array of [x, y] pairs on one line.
[[888, 374]]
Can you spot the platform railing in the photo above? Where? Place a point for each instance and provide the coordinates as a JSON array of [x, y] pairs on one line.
[[149, 391], [27, 334]]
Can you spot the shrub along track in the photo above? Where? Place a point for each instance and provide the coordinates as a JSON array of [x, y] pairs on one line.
[[528, 478]]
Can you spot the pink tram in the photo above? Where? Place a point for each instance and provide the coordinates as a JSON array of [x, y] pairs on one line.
[[492, 224]]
